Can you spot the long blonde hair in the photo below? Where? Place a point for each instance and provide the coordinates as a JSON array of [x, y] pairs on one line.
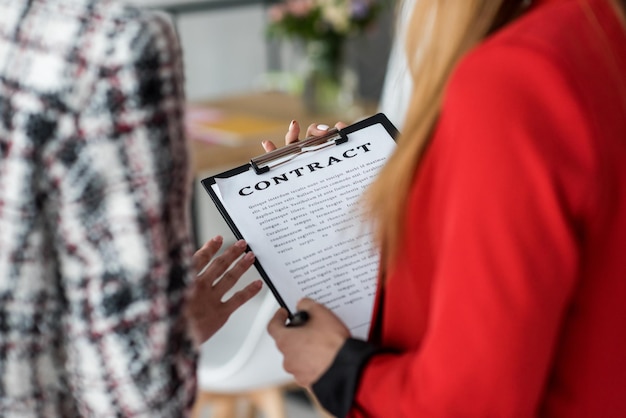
[[457, 26]]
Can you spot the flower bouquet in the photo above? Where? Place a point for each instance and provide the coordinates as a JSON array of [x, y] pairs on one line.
[[323, 26]]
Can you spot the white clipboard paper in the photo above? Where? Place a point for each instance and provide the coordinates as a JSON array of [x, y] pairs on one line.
[[298, 209]]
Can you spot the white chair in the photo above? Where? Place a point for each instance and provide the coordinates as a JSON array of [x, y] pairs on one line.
[[241, 362]]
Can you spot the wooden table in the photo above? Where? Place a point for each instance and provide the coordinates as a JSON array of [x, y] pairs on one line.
[[274, 111]]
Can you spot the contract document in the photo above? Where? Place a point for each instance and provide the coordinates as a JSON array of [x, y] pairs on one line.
[[298, 208]]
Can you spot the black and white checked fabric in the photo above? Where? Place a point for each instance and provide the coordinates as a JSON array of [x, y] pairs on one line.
[[94, 237]]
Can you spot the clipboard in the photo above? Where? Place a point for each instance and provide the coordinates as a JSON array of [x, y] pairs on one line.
[[335, 148]]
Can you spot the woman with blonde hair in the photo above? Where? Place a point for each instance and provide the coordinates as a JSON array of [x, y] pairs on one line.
[[502, 283]]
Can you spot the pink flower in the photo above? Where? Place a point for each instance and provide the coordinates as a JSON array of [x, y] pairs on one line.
[[300, 8], [360, 8], [276, 13]]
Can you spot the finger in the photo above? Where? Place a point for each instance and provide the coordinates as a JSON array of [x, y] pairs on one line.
[[319, 312], [268, 146], [277, 323], [320, 129], [315, 129], [230, 278], [202, 257], [313, 309], [292, 133], [243, 296], [220, 264], [307, 304]]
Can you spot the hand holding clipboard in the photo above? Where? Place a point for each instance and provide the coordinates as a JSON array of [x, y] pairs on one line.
[[297, 207], [294, 132], [301, 317]]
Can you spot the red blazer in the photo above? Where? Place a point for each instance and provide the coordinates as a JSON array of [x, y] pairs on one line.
[[509, 296]]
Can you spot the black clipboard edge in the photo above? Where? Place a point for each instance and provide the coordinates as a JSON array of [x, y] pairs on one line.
[[373, 120], [210, 181]]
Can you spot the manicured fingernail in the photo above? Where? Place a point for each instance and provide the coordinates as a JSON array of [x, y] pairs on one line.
[[249, 256], [241, 244], [291, 124], [323, 127], [263, 143]]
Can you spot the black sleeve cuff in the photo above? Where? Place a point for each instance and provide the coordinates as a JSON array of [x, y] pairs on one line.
[[336, 388]]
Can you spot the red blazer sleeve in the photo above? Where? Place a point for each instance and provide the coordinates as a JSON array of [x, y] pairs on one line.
[[507, 175]]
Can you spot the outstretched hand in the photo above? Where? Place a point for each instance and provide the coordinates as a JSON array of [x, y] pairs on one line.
[[205, 310]]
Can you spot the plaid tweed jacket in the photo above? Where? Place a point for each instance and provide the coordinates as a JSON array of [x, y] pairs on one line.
[[95, 251]]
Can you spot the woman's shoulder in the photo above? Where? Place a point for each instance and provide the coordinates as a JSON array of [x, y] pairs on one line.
[[562, 38]]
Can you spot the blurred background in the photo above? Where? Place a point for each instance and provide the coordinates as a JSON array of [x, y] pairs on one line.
[[252, 66], [227, 50]]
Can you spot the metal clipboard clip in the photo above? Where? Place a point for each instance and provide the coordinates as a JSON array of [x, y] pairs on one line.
[[264, 163]]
